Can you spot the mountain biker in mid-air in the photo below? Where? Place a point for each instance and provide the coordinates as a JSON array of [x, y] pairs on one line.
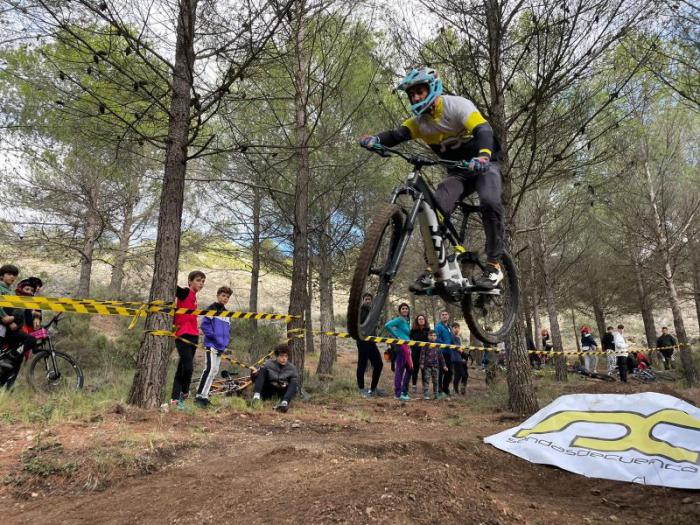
[[455, 130]]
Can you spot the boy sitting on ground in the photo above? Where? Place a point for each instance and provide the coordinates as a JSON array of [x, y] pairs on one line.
[[217, 333], [430, 359], [276, 377]]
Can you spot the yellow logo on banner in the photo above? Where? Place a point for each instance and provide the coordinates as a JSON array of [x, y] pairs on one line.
[[638, 436]]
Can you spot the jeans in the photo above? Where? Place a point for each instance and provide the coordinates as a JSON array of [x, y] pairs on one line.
[[446, 377], [590, 362], [461, 374], [368, 351], [429, 373]]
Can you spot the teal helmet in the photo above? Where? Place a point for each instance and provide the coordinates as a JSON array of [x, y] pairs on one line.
[[427, 76]]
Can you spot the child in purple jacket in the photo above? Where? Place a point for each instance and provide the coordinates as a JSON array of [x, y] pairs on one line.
[[217, 332], [431, 360]]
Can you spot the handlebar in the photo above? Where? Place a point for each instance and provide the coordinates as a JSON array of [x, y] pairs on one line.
[[53, 321], [418, 161]]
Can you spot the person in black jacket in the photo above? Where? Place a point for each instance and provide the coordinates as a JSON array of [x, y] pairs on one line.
[[276, 377], [607, 342], [419, 332], [666, 344], [368, 351]]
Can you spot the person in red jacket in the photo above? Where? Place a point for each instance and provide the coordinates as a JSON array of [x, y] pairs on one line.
[[187, 333]]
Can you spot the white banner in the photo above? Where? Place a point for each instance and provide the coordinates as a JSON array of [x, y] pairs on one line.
[[649, 438]]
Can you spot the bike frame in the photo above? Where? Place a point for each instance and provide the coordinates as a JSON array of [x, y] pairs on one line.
[[435, 229]]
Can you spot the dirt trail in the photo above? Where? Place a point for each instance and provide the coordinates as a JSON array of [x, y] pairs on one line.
[[327, 464]]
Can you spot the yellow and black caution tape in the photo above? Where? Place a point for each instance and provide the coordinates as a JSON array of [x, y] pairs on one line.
[[225, 355], [124, 309], [299, 332]]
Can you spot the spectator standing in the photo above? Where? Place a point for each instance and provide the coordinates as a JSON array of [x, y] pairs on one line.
[[217, 334], [400, 328], [443, 331], [588, 344], [368, 351], [666, 344], [459, 363], [621, 352], [187, 336], [535, 358], [431, 361], [607, 343], [419, 332]]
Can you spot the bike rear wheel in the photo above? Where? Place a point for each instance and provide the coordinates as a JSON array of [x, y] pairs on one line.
[[379, 257], [491, 317], [53, 372]]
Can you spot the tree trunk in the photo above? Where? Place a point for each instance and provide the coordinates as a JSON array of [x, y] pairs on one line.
[[560, 373], [255, 267], [92, 232], [521, 392], [117, 278], [535, 289], [679, 325], [309, 337], [644, 302], [147, 389], [599, 315], [664, 247], [573, 324], [325, 284], [519, 373], [696, 282], [300, 263]]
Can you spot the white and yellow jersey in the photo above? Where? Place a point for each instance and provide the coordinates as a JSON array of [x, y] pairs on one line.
[[450, 129]]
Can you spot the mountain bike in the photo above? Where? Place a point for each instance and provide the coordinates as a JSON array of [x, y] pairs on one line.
[[230, 384], [51, 370], [451, 251]]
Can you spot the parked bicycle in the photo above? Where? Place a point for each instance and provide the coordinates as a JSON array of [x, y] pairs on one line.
[[451, 251], [50, 370], [230, 384]]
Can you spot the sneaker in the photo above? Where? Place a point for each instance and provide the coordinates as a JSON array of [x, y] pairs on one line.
[[423, 284], [364, 392], [255, 402], [202, 402], [282, 407], [491, 278], [426, 397], [404, 397], [440, 395], [378, 392], [180, 404]]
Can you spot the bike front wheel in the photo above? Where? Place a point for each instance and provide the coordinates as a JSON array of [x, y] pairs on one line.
[[377, 263], [491, 317], [55, 371]]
